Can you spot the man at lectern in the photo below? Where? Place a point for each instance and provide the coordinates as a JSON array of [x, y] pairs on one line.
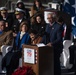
[[53, 29]]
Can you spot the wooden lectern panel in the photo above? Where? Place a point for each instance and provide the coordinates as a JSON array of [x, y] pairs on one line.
[[44, 64]]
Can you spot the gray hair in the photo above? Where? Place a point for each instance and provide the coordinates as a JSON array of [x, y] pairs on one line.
[[52, 14]]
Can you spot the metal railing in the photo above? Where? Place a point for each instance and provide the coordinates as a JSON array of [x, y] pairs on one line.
[[27, 5], [12, 5]]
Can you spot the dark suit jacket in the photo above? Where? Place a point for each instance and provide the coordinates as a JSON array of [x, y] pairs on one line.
[[9, 20], [55, 35], [68, 33], [16, 24]]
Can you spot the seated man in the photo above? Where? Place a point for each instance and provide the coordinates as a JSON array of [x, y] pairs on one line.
[[7, 17], [6, 38]]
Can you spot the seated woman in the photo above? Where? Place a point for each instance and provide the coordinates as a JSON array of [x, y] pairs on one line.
[[35, 38], [22, 36], [36, 8], [11, 59]]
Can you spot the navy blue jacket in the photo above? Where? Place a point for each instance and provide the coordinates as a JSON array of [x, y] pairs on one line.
[[55, 35]]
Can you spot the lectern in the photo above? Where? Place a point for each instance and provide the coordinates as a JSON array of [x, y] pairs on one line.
[[39, 58]]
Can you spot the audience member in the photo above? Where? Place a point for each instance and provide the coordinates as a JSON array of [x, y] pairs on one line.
[[35, 38], [6, 38], [11, 59], [53, 29], [39, 23], [22, 36], [19, 13], [66, 32], [36, 8], [20, 4], [7, 17]]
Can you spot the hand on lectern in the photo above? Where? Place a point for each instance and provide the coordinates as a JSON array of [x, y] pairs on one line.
[[49, 44]]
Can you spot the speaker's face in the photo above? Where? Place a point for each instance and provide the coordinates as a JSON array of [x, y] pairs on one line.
[[51, 18]]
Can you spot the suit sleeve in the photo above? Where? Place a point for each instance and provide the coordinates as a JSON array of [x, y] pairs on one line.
[[59, 37]]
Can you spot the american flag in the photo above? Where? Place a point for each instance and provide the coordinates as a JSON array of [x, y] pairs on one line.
[[29, 53], [69, 6]]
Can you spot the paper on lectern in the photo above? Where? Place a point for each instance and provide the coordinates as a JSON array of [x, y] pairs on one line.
[[40, 44]]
